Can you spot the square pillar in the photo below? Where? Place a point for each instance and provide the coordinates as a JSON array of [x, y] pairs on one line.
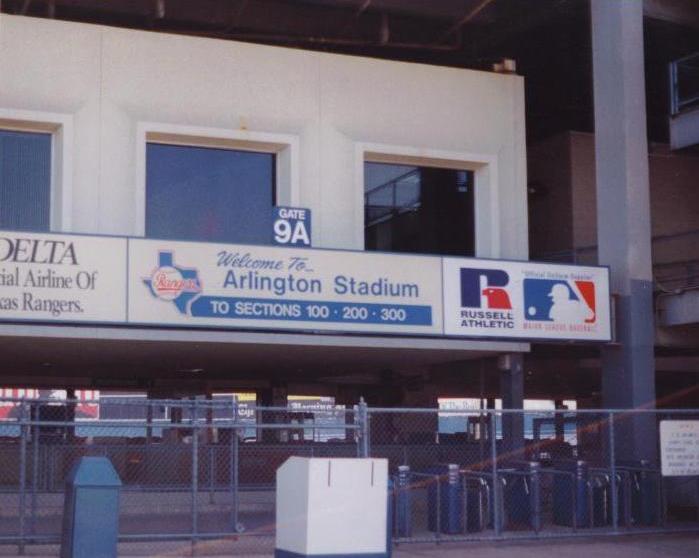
[[623, 217], [511, 368]]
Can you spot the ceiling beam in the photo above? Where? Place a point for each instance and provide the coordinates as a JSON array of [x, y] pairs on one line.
[[680, 12], [468, 16]]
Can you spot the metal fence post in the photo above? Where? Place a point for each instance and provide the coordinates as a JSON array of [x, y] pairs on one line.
[[357, 433], [612, 459], [212, 473], [438, 535], [195, 476], [235, 472], [35, 469], [497, 493], [363, 419], [22, 473]]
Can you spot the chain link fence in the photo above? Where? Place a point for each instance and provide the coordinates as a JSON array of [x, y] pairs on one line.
[[199, 475]]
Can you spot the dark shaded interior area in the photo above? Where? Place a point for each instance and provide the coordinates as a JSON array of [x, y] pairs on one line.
[[419, 210]]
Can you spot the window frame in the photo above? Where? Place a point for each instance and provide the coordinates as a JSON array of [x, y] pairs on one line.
[[60, 127], [283, 146], [483, 166]]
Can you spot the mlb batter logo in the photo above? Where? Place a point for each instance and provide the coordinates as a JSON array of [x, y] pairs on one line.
[[484, 288], [560, 301]]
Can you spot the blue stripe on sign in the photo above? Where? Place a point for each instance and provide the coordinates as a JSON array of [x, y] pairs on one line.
[[310, 311]]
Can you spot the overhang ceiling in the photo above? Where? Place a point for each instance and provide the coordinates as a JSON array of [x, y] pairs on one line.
[[548, 39], [128, 356]]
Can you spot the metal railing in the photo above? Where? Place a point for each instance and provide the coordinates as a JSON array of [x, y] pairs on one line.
[[397, 196], [198, 482], [670, 273]]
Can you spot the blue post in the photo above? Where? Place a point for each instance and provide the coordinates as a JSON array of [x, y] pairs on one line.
[[402, 510]]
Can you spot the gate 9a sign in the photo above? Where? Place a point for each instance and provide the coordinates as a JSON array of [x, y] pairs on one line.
[[291, 226]]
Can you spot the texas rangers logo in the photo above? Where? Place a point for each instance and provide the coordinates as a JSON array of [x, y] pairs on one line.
[[173, 283], [484, 288], [560, 301]]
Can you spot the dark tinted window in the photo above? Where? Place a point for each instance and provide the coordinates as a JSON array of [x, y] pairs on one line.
[[201, 193], [418, 209], [25, 181]]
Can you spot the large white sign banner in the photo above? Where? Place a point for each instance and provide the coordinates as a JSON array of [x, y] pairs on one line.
[[487, 298], [194, 284], [78, 278], [62, 277], [679, 447]]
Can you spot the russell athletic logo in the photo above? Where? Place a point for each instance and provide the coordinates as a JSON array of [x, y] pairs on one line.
[[173, 283], [485, 300]]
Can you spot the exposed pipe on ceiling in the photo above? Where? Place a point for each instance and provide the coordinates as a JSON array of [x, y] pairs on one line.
[[297, 40], [465, 19], [355, 16], [383, 39]]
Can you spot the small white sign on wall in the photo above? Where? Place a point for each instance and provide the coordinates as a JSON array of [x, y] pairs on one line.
[[679, 447]]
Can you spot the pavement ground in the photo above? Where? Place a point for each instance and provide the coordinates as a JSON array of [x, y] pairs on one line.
[[632, 546]]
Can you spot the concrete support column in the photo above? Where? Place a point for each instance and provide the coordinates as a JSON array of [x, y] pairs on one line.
[[623, 215], [559, 421], [511, 368], [275, 396]]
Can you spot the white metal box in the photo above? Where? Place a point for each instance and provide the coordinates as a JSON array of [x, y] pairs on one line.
[[331, 507]]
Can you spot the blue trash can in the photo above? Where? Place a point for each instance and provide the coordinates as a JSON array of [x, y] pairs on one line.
[[91, 510], [445, 499]]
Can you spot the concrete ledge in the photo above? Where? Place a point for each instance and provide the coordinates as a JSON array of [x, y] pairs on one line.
[[679, 309]]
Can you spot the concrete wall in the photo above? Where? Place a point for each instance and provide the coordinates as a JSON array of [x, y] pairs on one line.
[[550, 204], [106, 90], [565, 165]]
